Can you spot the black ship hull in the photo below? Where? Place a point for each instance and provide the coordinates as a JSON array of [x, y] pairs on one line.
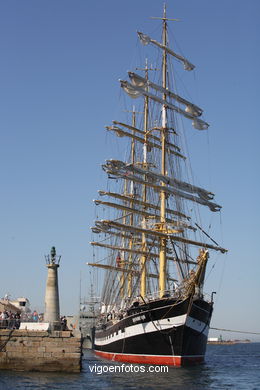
[[165, 331]]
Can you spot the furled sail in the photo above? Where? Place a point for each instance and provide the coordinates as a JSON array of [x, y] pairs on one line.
[[145, 40], [106, 225], [151, 136], [198, 124], [141, 203], [132, 92], [122, 133], [118, 168], [132, 210], [169, 180], [140, 81], [138, 251]]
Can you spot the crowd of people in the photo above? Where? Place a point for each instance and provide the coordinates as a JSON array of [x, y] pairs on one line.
[[12, 320], [9, 320]]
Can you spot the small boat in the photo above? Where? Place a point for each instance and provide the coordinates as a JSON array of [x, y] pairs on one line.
[[151, 242]]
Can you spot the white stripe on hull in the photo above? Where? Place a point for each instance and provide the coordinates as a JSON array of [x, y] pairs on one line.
[[153, 326]]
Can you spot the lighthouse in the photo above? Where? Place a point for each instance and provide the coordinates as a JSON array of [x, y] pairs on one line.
[[52, 304]]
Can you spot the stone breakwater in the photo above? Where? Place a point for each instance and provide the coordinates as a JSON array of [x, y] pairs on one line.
[[23, 350]]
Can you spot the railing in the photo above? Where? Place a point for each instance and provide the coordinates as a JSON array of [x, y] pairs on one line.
[[10, 323], [14, 323]]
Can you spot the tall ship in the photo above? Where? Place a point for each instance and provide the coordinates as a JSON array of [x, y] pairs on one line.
[[150, 242]]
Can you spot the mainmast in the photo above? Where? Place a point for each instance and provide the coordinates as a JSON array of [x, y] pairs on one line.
[[164, 131]]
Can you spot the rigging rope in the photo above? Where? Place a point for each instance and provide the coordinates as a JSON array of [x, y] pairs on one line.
[[203, 231]]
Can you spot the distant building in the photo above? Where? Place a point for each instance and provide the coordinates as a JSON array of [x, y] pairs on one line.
[[213, 339], [20, 304], [8, 306]]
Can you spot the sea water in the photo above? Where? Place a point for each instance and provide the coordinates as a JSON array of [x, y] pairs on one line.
[[235, 366]]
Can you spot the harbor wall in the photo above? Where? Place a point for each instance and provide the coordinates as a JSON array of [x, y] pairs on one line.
[[24, 350]]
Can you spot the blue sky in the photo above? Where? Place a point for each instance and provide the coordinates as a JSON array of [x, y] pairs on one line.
[[59, 70]]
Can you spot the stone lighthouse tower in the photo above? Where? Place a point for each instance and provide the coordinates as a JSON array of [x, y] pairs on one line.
[[52, 304]]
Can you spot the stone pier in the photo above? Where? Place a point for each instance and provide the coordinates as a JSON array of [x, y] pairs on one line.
[[24, 350]]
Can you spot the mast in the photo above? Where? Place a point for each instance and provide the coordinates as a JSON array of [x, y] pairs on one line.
[[121, 254], [162, 262], [144, 197], [130, 258]]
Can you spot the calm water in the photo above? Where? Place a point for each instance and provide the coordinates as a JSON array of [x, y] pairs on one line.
[[227, 367]]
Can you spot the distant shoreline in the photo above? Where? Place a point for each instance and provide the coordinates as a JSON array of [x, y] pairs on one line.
[[227, 342]]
